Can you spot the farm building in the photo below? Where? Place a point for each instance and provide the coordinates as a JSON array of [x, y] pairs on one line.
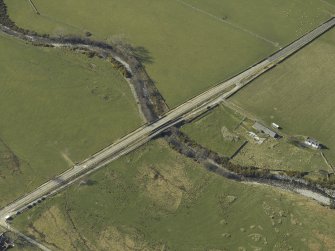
[[259, 127], [5, 243], [276, 126], [313, 143]]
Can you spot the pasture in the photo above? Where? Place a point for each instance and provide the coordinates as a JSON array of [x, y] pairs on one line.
[[278, 21], [298, 94], [57, 108], [188, 46], [155, 199]]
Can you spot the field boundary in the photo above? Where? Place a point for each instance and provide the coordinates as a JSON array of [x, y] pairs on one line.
[[236, 26]]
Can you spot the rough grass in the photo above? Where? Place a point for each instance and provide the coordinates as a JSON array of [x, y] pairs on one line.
[[119, 212], [298, 94], [56, 108], [280, 155], [188, 50]]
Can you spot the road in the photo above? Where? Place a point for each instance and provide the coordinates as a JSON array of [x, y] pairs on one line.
[[187, 110]]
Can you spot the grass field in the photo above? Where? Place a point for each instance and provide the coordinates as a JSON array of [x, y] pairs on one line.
[[56, 108], [298, 94], [190, 49], [216, 131], [155, 199], [277, 21]]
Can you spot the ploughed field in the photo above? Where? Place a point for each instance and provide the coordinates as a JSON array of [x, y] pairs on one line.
[[187, 45], [298, 94], [56, 108], [156, 199]]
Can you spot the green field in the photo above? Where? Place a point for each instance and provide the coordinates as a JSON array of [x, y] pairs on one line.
[[278, 21], [298, 94], [155, 199], [190, 49], [56, 108]]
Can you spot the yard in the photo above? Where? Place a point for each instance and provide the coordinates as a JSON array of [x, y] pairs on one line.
[[189, 45], [57, 108]]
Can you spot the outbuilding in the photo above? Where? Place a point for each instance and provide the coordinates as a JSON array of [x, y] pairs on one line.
[[276, 126], [263, 129]]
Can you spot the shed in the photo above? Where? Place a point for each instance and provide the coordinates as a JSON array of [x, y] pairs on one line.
[[261, 128], [274, 125]]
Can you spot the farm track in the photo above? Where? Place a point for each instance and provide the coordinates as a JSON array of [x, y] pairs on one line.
[[152, 103]]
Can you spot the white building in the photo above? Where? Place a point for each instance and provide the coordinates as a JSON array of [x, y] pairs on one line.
[[312, 143], [274, 125]]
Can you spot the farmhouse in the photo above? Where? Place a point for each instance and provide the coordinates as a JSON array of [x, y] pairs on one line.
[[259, 127], [312, 143]]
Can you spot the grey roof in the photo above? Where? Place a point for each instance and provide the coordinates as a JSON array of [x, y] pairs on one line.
[[259, 127]]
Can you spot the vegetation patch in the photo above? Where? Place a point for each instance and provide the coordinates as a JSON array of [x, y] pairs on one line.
[[165, 186]]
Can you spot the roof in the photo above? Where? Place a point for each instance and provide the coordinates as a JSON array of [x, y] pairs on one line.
[[263, 129]]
